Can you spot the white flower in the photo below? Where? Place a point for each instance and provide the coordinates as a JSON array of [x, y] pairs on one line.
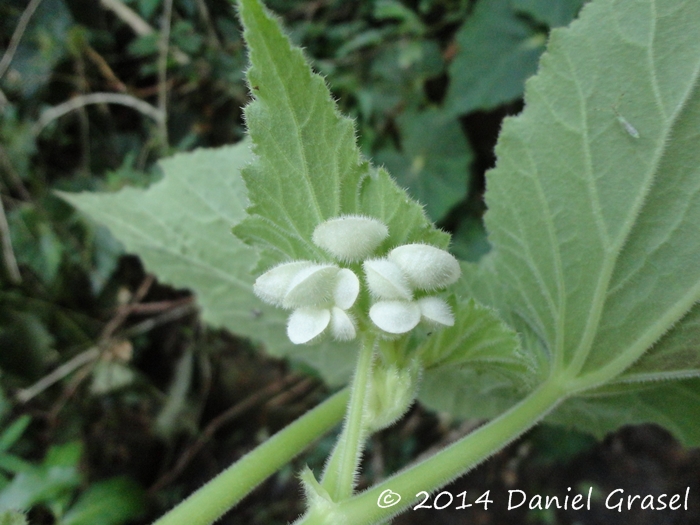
[[319, 294], [385, 280], [307, 323], [272, 286], [350, 237], [395, 317], [392, 281]]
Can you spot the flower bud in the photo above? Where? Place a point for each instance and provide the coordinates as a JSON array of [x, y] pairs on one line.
[[350, 237], [392, 390], [426, 267], [385, 280]]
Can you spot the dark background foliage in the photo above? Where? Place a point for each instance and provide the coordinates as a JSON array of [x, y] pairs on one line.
[[115, 401]]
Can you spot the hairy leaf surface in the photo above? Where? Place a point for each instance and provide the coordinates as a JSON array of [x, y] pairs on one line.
[[181, 229], [594, 206], [309, 168]]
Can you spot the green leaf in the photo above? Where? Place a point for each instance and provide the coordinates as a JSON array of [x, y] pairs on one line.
[[469, 243], [41, 49], [593, 227], [56, 477], [468, 393], [11, 517], [554, 14], [181, 228], [675, 356], [475, 368], [477, 337], [308, 167], [12, 433], [35, 242], [434, 160], [674, 405], [109, 502], [497, 51]]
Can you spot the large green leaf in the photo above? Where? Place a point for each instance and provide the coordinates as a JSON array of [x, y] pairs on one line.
[[181, 229], [498, 50], [673, 404], [594, 204], [478, 359], [308, 167]]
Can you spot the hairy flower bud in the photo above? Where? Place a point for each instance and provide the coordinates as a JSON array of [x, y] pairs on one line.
[[426, 267], [391, 392], [350, 237]]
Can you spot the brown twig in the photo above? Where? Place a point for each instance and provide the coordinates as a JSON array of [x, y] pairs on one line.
[[89, 357], [124, 310], [105, 69], [74, 103], [57, 374], [156, 307], [171, 315], [286, 397], [225, 417]]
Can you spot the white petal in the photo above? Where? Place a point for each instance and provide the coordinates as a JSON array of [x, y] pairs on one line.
[[350, 237], [436, 310], [347, 288], [342, 327], [395, 317], [425, 266], [306, 323], [272, 286], [386, 280], [312, 286]]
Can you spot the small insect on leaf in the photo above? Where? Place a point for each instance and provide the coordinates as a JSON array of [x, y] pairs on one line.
[[629, 128]]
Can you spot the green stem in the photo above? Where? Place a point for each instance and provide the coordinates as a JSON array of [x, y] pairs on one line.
[[220, 494], [339, 476], [449, 463]]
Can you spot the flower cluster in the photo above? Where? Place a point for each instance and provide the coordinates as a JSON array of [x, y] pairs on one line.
[[321, 295]]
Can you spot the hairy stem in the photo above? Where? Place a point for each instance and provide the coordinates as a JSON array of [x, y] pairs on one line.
[[216, 497], [448, 464], [339, 476]]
